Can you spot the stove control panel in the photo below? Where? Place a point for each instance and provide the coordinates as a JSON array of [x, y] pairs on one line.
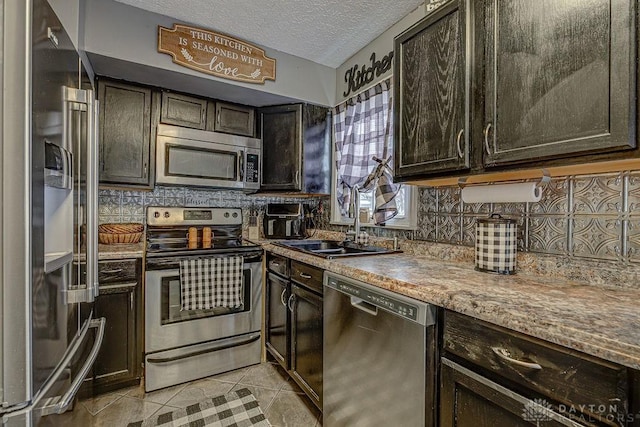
[[165, 216]]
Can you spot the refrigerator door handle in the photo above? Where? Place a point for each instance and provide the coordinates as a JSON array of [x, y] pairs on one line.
[[92, 194], [82, 100], [60, 404]]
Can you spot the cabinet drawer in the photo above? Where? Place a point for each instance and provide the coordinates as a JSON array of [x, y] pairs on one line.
[[117, 271], [306, 275], [561, 374], [278, 264]]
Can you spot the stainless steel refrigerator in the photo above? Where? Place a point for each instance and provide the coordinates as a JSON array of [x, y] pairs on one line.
[[48, 216]]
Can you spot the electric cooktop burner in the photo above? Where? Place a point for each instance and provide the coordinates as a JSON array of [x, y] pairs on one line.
[[169, 231]]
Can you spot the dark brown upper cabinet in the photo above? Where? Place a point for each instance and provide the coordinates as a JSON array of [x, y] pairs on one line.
[[431, 101], [296, 148], [483, 85], [128, 118], [559, 78], [183, 110], [231, 118]]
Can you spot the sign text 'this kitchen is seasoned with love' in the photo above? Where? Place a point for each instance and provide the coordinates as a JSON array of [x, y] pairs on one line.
[[216, 54]]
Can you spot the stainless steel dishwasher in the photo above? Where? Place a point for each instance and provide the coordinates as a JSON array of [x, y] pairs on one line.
[[379, 364]]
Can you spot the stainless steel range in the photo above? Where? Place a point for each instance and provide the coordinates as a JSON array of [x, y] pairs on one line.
[[183, 345]]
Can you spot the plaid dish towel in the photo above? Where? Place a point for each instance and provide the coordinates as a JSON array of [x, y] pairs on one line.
[[206, 283]]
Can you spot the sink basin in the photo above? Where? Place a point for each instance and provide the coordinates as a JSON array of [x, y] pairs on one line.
[[332, 248]]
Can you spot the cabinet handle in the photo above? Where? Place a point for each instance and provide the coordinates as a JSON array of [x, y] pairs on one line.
[[131, 300], [284, 291], [291, 301], [144, 173], [297, 177], [275, 264], [113, 271], [460, 153], [218, 118], [504, 354], [486, 138], [305, 276]]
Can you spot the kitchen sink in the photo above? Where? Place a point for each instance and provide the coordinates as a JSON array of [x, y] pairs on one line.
[[333, 248]]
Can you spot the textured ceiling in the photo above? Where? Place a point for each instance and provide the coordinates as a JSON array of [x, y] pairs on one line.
[[324, 31]]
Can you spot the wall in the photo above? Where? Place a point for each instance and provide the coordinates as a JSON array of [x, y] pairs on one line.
[[587, 217], [130, 206], [381, 46], [122, 42], [68, 12]]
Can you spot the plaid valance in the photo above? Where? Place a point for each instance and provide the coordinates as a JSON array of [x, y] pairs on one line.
[[363, 129]]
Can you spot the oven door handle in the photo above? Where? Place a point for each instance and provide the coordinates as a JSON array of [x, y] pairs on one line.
[[218, 347]]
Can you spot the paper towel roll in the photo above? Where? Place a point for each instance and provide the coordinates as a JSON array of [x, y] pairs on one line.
[[502, 193]]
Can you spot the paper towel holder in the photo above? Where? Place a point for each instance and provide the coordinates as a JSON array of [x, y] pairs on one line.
[[542, 181]]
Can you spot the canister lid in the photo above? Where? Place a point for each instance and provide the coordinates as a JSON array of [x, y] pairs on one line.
[[495, 219]]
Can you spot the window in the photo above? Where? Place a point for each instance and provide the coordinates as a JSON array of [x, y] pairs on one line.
[[406, 201], [362, 132]]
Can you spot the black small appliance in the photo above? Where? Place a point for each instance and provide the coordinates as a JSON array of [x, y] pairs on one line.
[[284, 221]]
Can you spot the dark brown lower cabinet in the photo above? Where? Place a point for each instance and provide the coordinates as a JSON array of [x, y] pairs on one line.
[[492, 376], [277, 318], [306, 341], [468, 399], [294, 322], [119, 362]]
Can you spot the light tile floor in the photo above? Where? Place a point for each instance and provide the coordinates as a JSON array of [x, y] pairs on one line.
[[281, 400]]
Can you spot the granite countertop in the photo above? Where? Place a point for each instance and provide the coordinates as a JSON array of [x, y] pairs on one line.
[[602, 322], [121, 251]]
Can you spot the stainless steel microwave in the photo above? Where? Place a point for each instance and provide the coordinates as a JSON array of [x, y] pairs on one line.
[[192, 157]]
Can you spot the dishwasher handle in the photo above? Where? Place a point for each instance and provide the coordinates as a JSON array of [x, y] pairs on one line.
[[361, 304]]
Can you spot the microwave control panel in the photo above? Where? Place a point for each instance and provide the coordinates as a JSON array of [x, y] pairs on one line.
[[253, 168]]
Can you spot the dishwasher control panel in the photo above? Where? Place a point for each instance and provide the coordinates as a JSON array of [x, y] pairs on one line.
[[388, 303]]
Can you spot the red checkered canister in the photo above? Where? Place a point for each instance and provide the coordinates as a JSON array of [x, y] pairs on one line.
[[496, 244]]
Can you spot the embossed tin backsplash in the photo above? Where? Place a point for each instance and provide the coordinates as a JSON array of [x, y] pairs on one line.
[[591, 217], [129, 206], [594, 216]]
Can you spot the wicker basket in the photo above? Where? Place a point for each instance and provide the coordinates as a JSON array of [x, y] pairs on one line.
[[120, 233]]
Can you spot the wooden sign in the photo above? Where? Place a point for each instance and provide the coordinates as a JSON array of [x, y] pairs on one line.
[[216, 54]]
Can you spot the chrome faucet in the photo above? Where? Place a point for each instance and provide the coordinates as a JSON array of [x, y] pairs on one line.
[[354, 211]]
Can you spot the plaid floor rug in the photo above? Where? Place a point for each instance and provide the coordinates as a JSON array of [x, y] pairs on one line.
[[236, 409]]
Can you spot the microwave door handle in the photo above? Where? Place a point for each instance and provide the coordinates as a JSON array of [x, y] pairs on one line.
[[241, 165]]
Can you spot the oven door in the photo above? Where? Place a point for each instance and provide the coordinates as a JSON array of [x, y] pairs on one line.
[[167, 327]]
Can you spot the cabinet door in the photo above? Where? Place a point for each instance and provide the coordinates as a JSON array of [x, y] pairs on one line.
[[306, 342], [277, 319], [281, 147], [559, 78], [127, 136], [430, 106], [317, 149], [231, 118], [116, 364], [468, 399], [182, 110]]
